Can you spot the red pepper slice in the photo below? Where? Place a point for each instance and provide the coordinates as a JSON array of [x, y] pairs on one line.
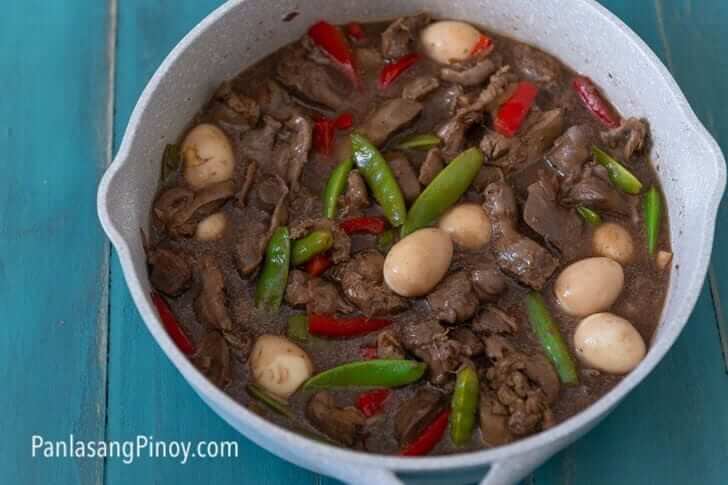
[[344, 121], [429, 437], [332, 41], [368, 352], [392, 71], [482, 45], [370, 403], [323, 135], [344, 327], [171, 325], [512, 113], [595, 102], [317, 265], [355, 31], [372, 225]]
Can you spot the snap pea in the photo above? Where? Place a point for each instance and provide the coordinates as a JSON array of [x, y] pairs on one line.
[[385, 241], [444, 190], [272, 281], [368, 373], [618, 174], [307, 247], [652, 206], [423, 141], [335, 187], [271, 402], [589, 215], [380, 179], [298, 328], [549, 336], [464, 405]]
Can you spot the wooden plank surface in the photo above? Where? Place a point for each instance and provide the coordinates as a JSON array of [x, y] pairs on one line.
[[54, 141]]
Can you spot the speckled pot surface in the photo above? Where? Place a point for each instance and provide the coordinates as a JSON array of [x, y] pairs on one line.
[[585, 36]]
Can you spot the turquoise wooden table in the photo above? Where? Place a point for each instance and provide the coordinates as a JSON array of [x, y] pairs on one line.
[[75, 357]]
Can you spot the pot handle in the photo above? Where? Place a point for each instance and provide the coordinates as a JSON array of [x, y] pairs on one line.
[[512, 471]]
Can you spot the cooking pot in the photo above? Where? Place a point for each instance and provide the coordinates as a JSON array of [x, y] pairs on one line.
[[581, 33]]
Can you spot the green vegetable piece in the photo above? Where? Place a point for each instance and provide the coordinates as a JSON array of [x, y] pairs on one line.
[[589, 215], [309, 246], [368, 373], [385, 241], [171, 160], [271, 402], [380, 179], [549, 336], [298, 328], [444, 190], [464, 405], [272, 281], [335, 187], [618, 174], [423, 141], [652, 206]]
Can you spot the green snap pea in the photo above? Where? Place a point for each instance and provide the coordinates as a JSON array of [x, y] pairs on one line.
[[335, 187], [368, 373], [310, 245], [380, 179], [444, 190], [273, 278], [271, 402], [652, 206], [298, 328], [385, 241], [464, 405], [423, 141], [549, 336], [590, 216], [618, 173]]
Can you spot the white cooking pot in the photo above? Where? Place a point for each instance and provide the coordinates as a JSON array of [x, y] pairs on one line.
[[583, 34]]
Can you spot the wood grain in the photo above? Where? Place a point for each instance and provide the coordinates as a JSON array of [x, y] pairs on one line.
[[54, 140]]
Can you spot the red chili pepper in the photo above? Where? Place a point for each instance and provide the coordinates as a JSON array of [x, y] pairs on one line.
[[323, 135], [429, 437], [372, 225], [512, 113], [332, 41], [368, 352], [483, 44], [392, 71], [344, 327], [317, 265], [344, 121], [355, 31], [594, 102], [370, 403], [171, 325]]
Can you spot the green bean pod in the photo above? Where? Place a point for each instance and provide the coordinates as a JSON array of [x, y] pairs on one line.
[[652, 206], [590, 216], [271, 402], [464, 405], [618, 173], [423, 141], [307, 247], [335, 187], [549, 336], [273, 278], [298, 328], [380, 179], [368, 373], [385, 241]]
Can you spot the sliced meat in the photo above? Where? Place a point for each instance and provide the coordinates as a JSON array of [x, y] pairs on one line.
[[416, 413], [232, 108], [250, 248], [388, 346], [258, 144], [594, 190], [538, 134], [631, 134], [570, 151], [516, 254], [486, 176], [268, 191], [472, 73], [362, 283], [494, 145], [275, 101], [494, 321], [213, 359], [248, 180], [493, 418], [429, 341], [453, 300], [398, 38], [170, 271], [558, 225], [497, 347], [535, 64], [356, 197], [432, 165], [470, 344], [180, 213], [211, 301], [296, 151], [405, 175], [488, 282], [391, 116], [316, 294], [420, 87], [453, 132], [311, 80], [345, 425]]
